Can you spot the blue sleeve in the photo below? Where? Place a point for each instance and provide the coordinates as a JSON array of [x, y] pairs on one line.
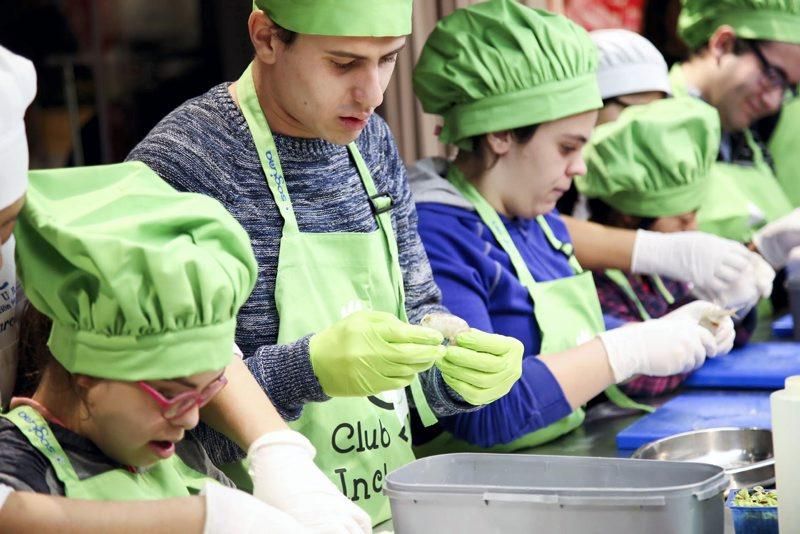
[[613, 322], [534, 402], [465, 273], [456, 256]]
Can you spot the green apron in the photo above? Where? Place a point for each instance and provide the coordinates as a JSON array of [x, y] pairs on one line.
[[741, 198], [323, 277], [167, 478], [618, 277], [785, 148], [570, 315]]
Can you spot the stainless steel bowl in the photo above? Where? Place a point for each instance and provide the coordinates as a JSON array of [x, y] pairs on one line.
[[744, 453]]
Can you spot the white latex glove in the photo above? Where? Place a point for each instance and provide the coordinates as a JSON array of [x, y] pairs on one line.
[[230, 510], [284, 475], [660, 347], [778, 238], [717, 321], [720, 270], [745, 292]]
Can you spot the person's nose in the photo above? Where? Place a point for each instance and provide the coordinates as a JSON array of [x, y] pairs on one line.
[[187, 420], [369, 90]]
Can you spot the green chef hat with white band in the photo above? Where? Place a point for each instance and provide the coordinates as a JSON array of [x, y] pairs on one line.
[[770, 20], [142, 282], [500, 65], [343, 18], [655, 159]]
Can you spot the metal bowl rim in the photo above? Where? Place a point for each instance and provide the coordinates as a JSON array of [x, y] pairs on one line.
[[646, 446]]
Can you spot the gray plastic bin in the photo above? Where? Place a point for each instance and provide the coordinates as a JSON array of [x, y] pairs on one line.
[[508, 493]]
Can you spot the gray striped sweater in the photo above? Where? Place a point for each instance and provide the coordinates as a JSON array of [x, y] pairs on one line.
[[205, 146]]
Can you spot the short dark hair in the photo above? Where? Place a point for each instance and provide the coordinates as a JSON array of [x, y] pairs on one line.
[[32, 352], [287, 37], [741, 46]]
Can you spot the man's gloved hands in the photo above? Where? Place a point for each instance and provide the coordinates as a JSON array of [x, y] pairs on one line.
[[778, 238], [721, 270], [230, 510], [285, 476], [482, 367], [368, 352]]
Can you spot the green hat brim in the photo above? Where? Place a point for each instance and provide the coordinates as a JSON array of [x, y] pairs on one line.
[[539, 104], [666, 202], [351, 18], [164, 356], [768, 25]]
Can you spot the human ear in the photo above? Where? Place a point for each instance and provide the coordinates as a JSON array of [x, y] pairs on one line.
[[722, 41], [499, 142], [264, 37]]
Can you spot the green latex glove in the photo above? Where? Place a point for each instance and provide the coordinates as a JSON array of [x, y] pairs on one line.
[[369, 352], [482, 367]]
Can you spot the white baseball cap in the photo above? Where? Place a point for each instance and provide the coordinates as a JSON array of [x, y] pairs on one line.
[[628, 63], [17, 89]]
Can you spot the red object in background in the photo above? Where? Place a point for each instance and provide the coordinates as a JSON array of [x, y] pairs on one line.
[[600, 14]]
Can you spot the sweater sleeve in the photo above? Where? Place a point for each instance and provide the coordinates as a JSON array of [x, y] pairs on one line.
[[466, 275]]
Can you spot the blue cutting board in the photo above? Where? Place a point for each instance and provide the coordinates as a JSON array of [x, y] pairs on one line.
[[696, 410], [754, 366], [783, 326]]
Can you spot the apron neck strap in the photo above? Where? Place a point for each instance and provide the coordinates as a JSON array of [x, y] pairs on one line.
[[262, 136], [758, 155], [34, 427], [565, 248]]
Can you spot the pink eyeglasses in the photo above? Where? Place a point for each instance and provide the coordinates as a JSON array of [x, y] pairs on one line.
[[183, 402]]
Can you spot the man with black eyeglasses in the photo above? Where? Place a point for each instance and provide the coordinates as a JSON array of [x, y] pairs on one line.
[[745, 61]]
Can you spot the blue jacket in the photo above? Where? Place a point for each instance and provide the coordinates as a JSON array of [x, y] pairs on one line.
[[479, 284]]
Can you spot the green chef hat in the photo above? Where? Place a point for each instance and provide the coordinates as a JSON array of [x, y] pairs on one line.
[[141, 282], [771, 20], [345, 18], [654, 160], [500, 65]]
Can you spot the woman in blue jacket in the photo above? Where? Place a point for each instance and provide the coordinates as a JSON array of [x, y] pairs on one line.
[[517, 90]]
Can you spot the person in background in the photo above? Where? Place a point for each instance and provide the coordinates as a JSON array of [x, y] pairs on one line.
[[649, 169], [274, 450], [630, 71], [517, 89], [744, 61]]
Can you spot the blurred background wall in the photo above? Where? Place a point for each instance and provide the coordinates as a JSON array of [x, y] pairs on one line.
[[109, 70]]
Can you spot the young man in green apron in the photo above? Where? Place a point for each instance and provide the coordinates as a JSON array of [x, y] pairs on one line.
[[745, 62], [520, 99], [649, 169], [141, 285], [294, 151]]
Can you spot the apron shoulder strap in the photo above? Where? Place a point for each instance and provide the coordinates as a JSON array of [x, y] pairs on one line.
[[661, 288], [36, 430], [565, 248], [618, 277]]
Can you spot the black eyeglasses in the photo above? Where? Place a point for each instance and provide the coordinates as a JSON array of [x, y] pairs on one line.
[[774, 76]]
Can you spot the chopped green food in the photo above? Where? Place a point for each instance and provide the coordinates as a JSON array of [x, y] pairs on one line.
[[758, 496]]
